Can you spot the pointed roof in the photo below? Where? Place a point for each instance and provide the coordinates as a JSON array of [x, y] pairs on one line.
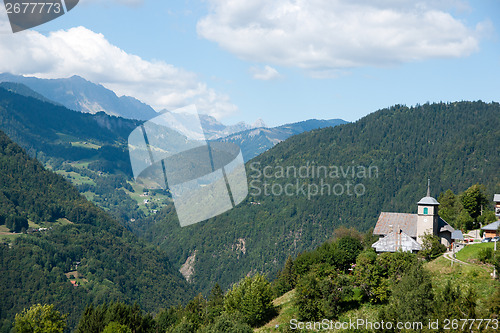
[[428, 200]]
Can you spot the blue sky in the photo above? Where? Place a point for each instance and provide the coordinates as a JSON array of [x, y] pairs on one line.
[[282, 61]]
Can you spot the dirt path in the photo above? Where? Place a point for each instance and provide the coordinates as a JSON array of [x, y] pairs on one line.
[[449, 256]]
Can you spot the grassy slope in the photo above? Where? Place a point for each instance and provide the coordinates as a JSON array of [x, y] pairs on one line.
[[470, 253], [475, 276]]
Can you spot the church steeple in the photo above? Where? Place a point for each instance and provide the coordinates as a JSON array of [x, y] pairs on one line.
[[427, 221]]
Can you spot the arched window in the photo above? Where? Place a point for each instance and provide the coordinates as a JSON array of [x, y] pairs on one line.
[[426, 210]]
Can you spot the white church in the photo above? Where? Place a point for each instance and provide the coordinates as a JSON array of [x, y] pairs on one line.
[[404, 232]]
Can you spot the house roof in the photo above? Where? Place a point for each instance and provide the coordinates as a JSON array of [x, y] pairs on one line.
[[406, 222], [396, 241], [428, 201], [444, 226], [492, 226], [496, 198], [457, 234]]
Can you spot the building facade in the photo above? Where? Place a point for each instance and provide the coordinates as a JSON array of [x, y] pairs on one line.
[[393, 228]]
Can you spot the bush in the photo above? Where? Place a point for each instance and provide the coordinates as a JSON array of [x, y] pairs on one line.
[[485, 255], [318, 297], [227, 324], [431, 247], [114, 327], [40, 318], [252, 298]]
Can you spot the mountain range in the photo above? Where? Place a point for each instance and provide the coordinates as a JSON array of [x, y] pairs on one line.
[[307, 186], [79, 94], [76, 93]]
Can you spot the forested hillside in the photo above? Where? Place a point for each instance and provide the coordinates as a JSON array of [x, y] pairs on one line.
[[456, 145], [70, 238], [48, 131]]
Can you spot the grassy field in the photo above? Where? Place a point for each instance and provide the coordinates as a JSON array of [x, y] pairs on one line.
[[286, 313], [81, 164], [66, 137], [470, 252], [75, 142], [476, 277], [62, 221], [89, 195], [137, 195], [87, 145], [76, 178], [6, 236]]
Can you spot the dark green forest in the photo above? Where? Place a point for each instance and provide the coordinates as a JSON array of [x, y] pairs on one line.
[[456, 145], [109, 262]]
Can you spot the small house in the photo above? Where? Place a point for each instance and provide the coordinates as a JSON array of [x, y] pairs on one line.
[[491, 230]]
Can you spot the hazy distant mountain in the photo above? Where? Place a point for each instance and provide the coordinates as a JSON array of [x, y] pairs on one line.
[[78, 94], [256, 138], [255, 141], [214, 129]]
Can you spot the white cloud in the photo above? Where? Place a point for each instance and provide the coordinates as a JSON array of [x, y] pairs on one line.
[[79, 51], [264, 73], [326, 35]]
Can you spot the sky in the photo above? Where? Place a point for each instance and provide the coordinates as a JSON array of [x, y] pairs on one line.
[[282, 61]]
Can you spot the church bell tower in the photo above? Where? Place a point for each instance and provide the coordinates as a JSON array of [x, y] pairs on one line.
[[427, 221]]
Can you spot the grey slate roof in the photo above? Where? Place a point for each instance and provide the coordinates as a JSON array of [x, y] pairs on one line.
[[428, 201], [457, 234], [394, 242], [492, 226], [406, 222]]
